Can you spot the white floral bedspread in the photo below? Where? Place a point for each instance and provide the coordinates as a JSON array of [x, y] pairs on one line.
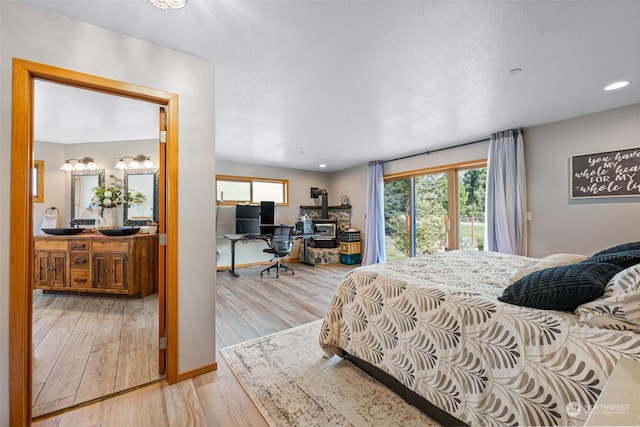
[[435, 324]]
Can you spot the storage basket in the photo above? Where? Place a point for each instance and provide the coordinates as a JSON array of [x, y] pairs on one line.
[[349, 247], [349, 236], [350, 259]]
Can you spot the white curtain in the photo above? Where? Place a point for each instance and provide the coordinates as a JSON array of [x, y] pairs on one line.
[[374, 249], [506, 199]]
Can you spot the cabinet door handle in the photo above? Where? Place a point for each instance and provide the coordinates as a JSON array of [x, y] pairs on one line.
[[79, 280], [80, 260], [78, 246]]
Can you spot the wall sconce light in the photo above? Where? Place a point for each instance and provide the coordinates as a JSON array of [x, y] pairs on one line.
[[86, 163], [138, 162]]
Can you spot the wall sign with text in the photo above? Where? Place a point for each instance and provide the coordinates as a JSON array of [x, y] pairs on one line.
[[609, 174]]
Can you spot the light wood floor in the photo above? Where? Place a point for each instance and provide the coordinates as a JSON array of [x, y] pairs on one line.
[[87, 347], [247, 307]]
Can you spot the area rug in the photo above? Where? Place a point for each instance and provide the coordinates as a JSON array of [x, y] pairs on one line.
[[293, 383]]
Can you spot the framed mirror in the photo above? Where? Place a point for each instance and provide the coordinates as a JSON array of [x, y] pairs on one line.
[[142, 186], [82, 183]]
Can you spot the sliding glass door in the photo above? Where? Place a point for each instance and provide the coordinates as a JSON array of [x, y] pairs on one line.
[[472, 184], [434, 210], [431, 195], [398, 218]]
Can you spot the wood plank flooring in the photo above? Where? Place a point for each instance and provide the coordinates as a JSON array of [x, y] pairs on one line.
[[247, 307], [87, 347], [251, 306]]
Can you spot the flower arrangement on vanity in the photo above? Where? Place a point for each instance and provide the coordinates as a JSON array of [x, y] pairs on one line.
[[110, 196], [107, 197]]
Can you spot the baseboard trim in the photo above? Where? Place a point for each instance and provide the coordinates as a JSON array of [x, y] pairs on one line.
[[198, 371], [254, 264]]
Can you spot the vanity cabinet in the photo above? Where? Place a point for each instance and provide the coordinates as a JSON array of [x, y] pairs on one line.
[[50, 269], [110, 271], [100, 264]]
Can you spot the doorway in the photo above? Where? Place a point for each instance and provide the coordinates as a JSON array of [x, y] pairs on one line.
[[89, 343], [21, 276]]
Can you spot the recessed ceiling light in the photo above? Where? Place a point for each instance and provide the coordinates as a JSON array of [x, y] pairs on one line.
[[514, 71], [617, 85], [322, 165]]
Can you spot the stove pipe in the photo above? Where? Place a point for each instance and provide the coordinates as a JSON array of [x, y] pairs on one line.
[[325, 206], [321, 192]]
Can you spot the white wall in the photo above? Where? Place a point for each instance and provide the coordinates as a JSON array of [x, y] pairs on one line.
[[352, 183], [558, 223], [455, 155], [40, 36], [54, 184], [300, 183]]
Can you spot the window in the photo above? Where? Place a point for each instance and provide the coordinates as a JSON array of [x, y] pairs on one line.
[[435, 209], [37, 181], [242, 189]]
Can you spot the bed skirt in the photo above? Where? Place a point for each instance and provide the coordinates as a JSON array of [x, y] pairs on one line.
[[409, 396]]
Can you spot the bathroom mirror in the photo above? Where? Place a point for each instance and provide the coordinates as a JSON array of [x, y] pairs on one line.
[[82, 183], [143, 186]]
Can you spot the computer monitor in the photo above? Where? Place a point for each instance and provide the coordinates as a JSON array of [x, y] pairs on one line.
[[247, 219], [248, 211], [267, 212]]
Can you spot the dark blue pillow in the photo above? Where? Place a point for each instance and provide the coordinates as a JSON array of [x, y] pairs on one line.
[[624, 259], [561, 288], [630, 246]]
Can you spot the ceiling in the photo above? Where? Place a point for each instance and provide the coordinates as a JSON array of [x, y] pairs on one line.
[[347, 82], [68, 115]]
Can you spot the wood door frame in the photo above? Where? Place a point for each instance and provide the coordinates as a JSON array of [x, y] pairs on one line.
[[21, 253], [162, 250]]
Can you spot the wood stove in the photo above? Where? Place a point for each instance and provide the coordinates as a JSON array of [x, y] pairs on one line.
[[327, 233]]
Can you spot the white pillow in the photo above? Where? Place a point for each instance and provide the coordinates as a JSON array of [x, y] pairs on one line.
[[619, 307], [554, 260]]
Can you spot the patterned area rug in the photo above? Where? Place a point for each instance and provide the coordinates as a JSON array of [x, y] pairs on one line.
[[293, 383]]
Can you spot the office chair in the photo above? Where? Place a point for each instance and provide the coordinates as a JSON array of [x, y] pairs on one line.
[[280, 245]]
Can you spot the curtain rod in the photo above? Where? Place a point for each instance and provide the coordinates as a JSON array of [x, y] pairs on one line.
[[437, 149]]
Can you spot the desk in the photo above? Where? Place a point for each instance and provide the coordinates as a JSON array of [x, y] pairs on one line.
[[234, 238]]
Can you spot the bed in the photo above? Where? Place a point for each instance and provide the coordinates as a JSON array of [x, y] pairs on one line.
[[435, 325]]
